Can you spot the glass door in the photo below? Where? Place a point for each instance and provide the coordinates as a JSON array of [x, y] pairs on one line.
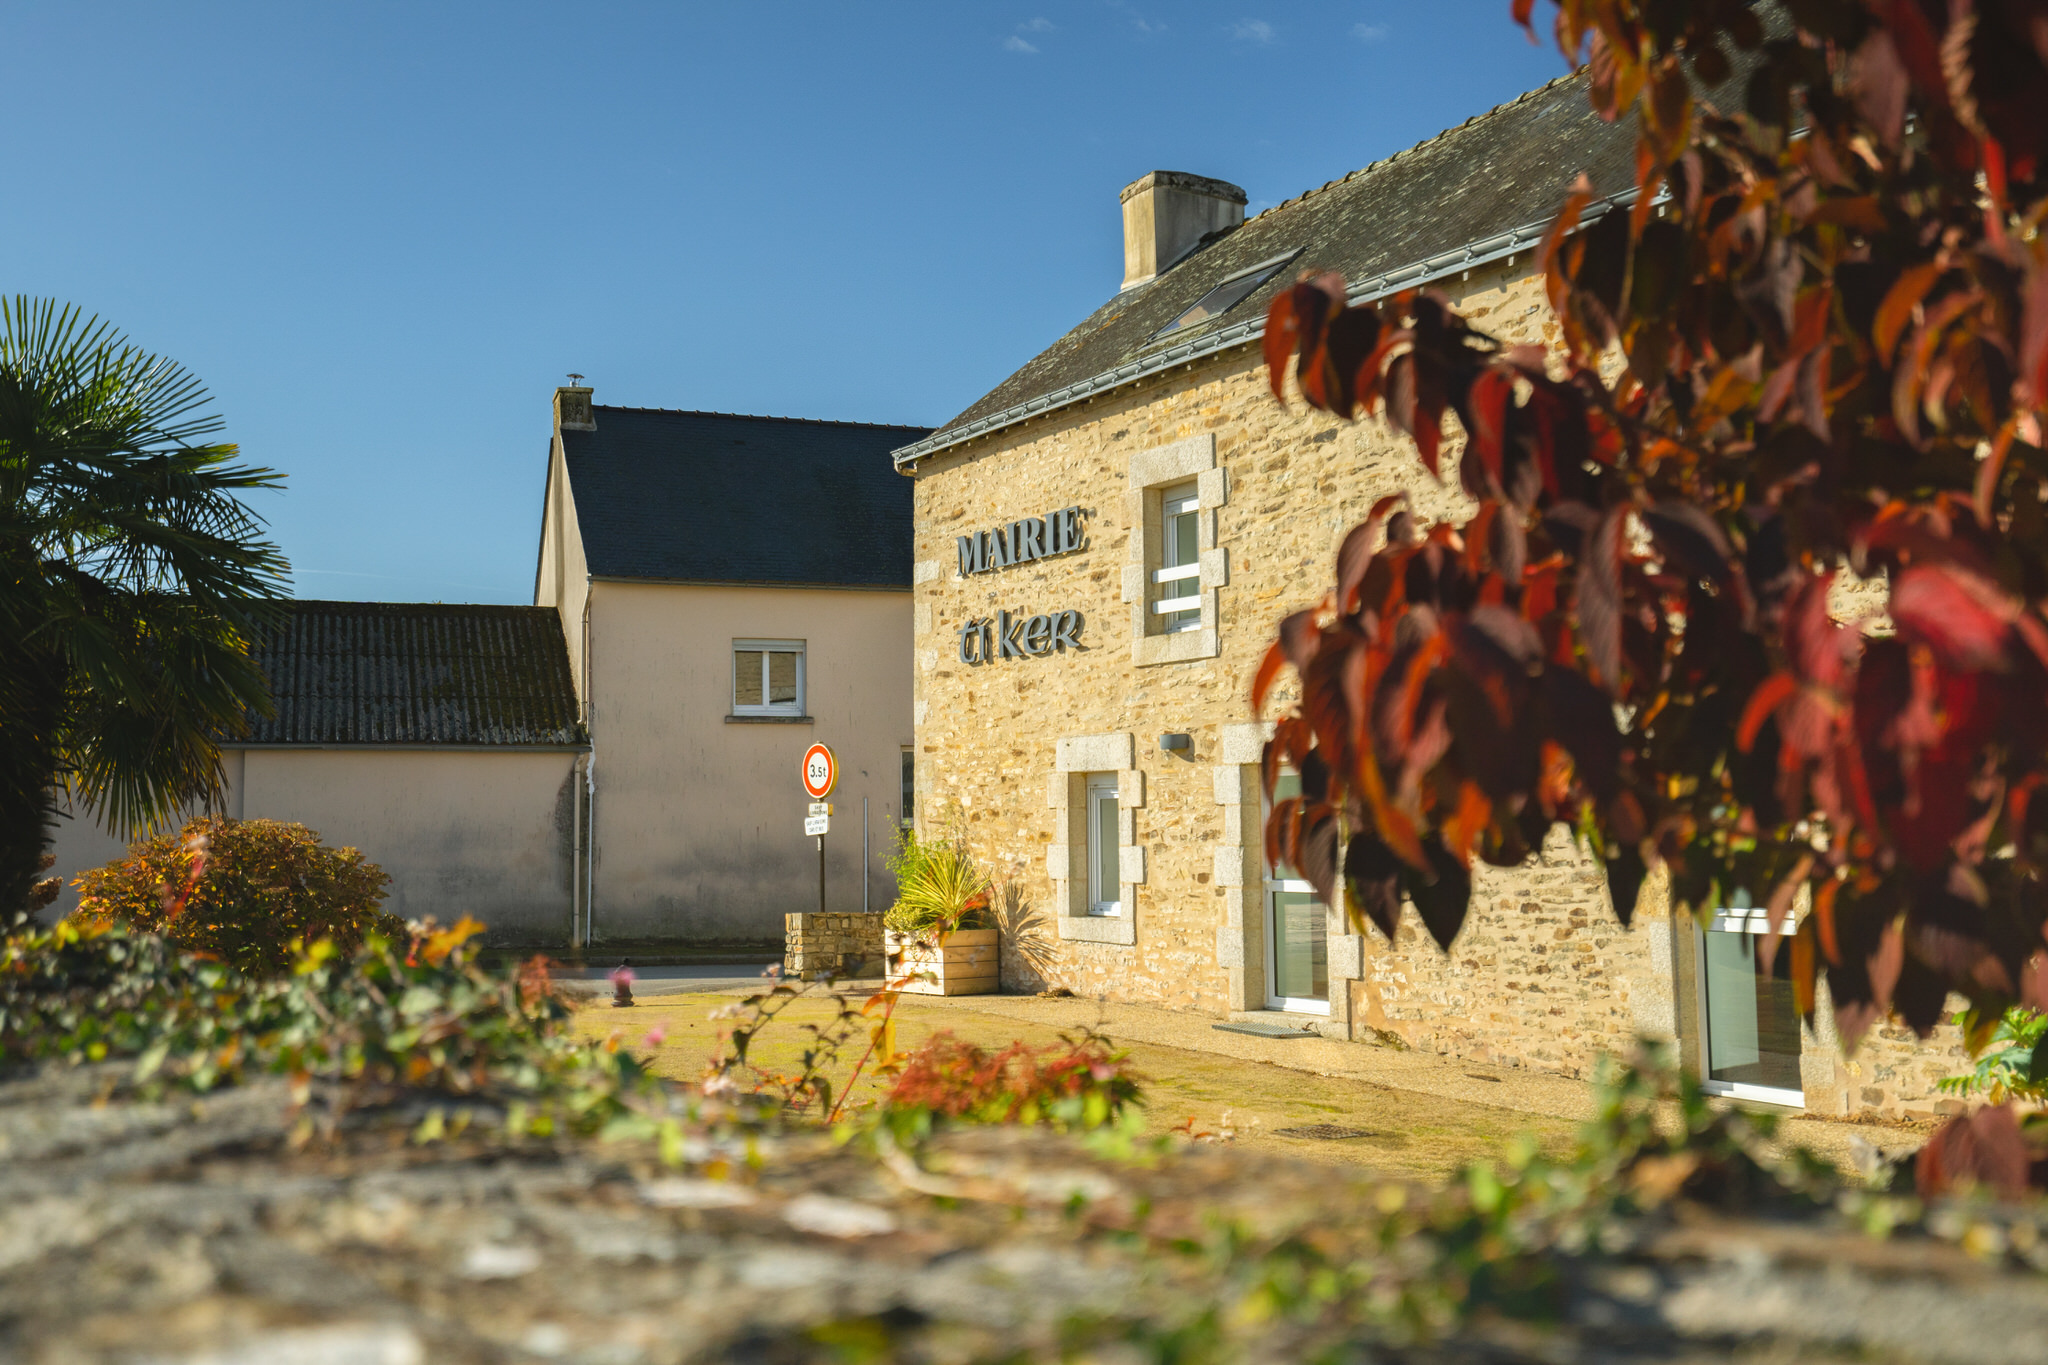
[[1297, 934], [1749, 1018]]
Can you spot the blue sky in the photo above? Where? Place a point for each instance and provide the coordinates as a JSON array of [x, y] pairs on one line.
[[381, 234]]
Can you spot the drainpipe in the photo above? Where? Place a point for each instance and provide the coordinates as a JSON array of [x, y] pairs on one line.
[[575, 845], [590, 857], [589, 782]]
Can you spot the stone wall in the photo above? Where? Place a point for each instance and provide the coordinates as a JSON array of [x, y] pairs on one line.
[[1287, 484], [817, 946], [1543, 975]]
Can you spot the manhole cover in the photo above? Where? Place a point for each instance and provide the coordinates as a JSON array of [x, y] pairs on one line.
[[1324, 1132]]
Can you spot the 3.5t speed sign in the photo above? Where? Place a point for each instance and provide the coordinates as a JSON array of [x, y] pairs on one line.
[[821, 771]]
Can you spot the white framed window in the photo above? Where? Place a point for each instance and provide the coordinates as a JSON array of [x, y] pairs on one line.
[[768, 677], [1297, 933], [1177, 582], [1749, 1018], [1104, 866]]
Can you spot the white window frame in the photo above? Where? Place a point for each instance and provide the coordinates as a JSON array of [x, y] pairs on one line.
[[1737, 920], [768, 708], [1274, 1000], [1149, 581], [1177, 583], [1102, 787]]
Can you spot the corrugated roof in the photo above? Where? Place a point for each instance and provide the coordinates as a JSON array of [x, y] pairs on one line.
[[417, 673], [713, 497], [1505, 169]]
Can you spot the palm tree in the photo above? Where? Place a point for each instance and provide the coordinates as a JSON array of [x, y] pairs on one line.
[[132, 579]]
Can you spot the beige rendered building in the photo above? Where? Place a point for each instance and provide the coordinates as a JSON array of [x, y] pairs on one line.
[[731, 589], [1104, 546], [439, 739]]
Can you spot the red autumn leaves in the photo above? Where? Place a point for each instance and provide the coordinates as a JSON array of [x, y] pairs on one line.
[[1782, 360]]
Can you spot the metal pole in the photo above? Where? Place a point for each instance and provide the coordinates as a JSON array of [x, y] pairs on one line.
[[867, 851], [821, 874]]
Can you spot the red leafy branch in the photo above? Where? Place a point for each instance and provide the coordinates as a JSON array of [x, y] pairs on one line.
[[1809, 352]]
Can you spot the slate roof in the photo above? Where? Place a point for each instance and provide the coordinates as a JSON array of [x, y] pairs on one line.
[[711, 497], [1492, 184], [407, 673]]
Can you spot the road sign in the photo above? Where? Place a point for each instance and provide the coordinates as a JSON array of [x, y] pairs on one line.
[[819, 808], [817, 824], [820, 771]]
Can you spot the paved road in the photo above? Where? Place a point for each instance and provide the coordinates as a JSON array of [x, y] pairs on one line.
[[702, 976]]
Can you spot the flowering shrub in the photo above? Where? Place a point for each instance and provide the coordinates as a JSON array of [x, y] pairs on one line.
[[1085, 1084], [241, 891]]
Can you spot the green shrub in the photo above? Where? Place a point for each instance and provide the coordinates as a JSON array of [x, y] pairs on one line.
[[415, 1024], [938, 887], [2012, 1057], [240, 891]]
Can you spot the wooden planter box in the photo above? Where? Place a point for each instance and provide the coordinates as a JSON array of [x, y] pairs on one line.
[[965, 965]]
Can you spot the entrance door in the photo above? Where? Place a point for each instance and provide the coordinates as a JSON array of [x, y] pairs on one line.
[[1750, 1021], [1297, 934]]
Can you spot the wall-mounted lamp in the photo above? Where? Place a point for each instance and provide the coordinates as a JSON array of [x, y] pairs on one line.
[[1170, 742]]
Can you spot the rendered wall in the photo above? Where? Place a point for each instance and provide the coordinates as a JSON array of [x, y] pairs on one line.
[[482, 833], [562, 580], [699, 820]]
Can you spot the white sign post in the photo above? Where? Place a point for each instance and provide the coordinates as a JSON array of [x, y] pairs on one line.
[[819, 825]]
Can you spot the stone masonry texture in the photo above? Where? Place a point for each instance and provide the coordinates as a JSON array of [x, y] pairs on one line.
[[195, 1231], [832, 944], [1543, 975]]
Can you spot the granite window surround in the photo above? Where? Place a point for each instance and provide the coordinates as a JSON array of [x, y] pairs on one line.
[[1078, 758], [1151, 473]]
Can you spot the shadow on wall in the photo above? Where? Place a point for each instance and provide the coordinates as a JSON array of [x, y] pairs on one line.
[[1024, 941]]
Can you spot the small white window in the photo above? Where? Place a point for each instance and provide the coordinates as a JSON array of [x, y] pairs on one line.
[[1177, 582], [767, 677], [1103, 863]]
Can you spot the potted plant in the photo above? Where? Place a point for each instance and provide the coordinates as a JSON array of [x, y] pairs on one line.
[[939, 937]]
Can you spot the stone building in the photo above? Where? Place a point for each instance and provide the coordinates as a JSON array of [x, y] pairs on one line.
[[1104, 544]]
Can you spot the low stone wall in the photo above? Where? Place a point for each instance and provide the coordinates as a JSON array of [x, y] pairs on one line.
[[195, 1231], [834, 944]]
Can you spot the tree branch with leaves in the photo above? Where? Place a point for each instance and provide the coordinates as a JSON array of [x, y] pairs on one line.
[[1812, 342]]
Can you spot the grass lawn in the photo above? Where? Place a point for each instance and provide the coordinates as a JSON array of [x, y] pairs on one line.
[[1403, 1132]]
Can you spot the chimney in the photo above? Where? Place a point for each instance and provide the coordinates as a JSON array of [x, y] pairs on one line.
[[572, 408], [1166, 213]]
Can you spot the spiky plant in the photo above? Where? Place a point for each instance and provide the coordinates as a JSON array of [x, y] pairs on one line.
[[132, 580]]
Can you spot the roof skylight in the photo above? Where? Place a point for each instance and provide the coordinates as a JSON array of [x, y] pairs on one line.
[[1225, 296]]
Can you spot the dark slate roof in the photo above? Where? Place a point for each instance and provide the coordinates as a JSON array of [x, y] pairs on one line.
[[710, 497], [417, 673], [1504, 170]]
